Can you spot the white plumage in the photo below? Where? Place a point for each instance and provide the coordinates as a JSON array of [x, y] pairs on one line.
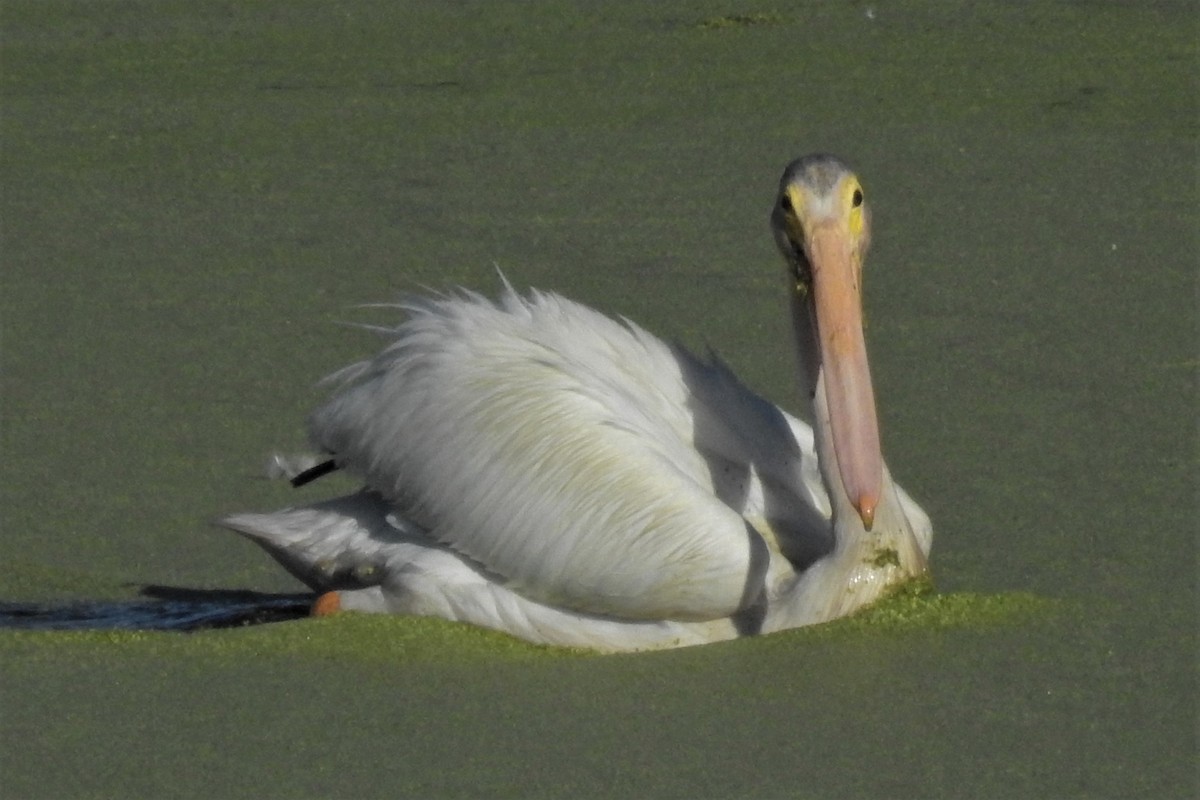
[[534, 466]]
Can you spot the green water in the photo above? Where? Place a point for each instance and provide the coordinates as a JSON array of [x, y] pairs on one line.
[[192, 194]]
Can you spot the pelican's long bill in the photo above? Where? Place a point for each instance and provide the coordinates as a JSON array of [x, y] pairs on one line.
[[823, 227]]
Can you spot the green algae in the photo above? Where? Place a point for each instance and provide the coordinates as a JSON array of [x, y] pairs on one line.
[[32, 581], [885, 557], [741, 21], [367, 638], [195, 191], [915, 605], [398, 641]]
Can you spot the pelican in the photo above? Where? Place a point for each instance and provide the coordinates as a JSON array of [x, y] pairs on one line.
[[533, 466]]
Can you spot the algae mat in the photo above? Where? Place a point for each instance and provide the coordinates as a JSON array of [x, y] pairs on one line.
[[194, 194]]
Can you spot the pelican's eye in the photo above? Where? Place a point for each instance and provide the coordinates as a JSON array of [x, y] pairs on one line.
[[856, 201], [785, 203]]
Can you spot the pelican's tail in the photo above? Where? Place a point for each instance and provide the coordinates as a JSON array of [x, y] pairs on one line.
[[336, 544]]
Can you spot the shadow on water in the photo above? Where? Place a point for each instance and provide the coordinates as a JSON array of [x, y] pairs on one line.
[[165, 608]]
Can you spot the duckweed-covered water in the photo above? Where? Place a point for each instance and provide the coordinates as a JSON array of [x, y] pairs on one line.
[[194, 194]]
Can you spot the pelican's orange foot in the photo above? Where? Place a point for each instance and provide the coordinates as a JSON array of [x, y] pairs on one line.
[[326, 604]]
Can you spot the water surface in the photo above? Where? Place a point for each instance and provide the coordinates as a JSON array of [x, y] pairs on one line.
[[195, 193]]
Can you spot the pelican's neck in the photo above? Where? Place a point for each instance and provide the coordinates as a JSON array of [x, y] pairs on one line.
[[863, 564], [808, 356]]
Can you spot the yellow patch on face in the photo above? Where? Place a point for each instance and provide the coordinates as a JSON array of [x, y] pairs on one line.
[[852, 201], [822, 202], [844, 202], [797, 211]]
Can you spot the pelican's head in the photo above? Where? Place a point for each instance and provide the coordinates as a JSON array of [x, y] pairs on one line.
[[823, 229]]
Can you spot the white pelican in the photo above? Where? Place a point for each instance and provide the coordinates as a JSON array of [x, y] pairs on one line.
[[538, 468]]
